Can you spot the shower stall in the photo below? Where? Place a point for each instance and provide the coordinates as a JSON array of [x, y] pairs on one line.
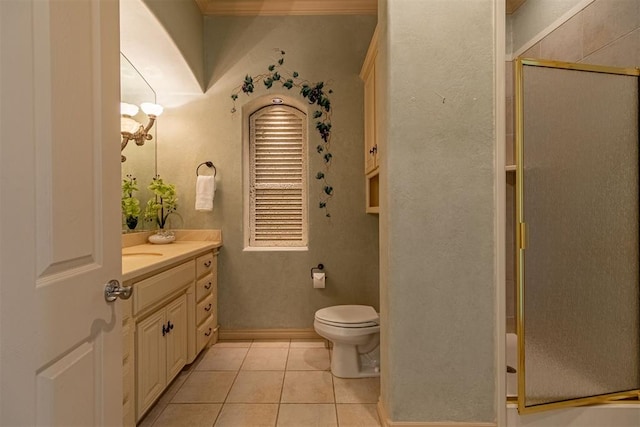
[[576, 226]]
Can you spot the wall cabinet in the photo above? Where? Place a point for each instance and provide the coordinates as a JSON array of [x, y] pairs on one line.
[[371, 137]]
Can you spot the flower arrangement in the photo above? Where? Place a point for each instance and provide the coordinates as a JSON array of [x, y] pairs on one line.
[[130, 204], [316, 94], [163, 204]]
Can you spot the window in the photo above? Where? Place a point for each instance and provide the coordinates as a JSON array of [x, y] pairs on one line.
[[277, 177]]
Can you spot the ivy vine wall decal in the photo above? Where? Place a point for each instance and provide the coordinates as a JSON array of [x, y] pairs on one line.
[[315, 94]]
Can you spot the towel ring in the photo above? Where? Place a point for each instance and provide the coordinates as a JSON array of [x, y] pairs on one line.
[[209, 164]]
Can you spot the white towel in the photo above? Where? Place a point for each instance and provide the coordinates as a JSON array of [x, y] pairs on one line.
[[205, 191]]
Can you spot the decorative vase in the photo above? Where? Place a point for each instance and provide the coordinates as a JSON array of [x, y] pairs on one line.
[[162, 237], [132, 222]]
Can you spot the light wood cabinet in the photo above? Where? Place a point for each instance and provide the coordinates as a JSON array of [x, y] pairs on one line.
[[371, 137], [206, 298], [128, 366], [161, 350], [170, 318]]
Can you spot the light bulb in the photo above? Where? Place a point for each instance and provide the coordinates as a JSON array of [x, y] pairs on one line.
[[151, 109], [128, 109]]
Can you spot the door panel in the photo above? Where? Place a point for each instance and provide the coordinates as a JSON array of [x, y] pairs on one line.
[[579, 311], [177, 337], [60, 216], [151, 360]]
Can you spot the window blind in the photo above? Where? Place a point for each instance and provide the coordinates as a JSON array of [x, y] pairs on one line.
[[278, 177]]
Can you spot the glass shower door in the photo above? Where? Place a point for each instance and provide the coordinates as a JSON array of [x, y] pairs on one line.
[[578, 234]]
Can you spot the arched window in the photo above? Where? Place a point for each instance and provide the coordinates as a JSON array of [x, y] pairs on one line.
[[277, 160]]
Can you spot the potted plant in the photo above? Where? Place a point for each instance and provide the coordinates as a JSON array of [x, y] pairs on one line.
[[130, 204], [160, 207]]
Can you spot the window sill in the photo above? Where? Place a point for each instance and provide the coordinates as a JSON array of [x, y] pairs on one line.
[[275, 249]]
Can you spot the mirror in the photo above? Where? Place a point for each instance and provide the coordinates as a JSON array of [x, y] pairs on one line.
[[141, 160]]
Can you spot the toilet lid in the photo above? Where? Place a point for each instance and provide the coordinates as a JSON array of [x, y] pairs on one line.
[[352, 315]]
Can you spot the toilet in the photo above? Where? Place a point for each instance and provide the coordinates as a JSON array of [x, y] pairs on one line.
[[354, 331]]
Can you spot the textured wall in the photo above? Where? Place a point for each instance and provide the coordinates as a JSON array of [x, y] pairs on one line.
[[438, 281], [274, 289]]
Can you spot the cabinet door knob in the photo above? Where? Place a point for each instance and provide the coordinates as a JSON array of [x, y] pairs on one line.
[[208, 286], [207, 264], [208, 307], [208, 333]]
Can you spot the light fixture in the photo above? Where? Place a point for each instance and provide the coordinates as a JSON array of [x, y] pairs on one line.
[[131, 129]]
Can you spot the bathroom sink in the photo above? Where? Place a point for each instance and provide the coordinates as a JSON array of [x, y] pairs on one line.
[[141, 254]]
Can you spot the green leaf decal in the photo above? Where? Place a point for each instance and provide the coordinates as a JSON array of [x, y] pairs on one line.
[[319, 175]]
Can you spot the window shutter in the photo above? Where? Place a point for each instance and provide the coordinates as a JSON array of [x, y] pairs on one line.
[[278, 177]]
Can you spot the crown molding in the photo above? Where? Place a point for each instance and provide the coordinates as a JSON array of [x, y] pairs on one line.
[[288, 7]]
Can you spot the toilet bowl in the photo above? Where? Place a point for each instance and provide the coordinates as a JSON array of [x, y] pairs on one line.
[[354, 331]]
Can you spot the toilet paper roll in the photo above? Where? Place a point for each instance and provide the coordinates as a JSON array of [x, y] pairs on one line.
[[318, 280]]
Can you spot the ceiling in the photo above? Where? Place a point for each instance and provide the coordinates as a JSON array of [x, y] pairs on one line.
[[302, 7]]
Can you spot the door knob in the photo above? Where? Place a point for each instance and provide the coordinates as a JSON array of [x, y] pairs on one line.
[[113, 290]]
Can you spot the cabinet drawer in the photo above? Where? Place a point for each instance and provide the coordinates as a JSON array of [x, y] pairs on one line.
[[204, 264], [149, 291], [205, 332], [205, 286], [205, 308]]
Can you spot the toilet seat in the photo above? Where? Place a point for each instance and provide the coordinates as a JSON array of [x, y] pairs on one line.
[[348, 316]]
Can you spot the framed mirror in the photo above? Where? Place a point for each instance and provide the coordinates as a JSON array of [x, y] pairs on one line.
[[141, 160]]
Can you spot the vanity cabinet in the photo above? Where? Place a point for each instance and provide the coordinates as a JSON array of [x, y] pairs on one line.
[[128, 366], [205, 301], [169, 319], [161, 344], [371, 137], [161, 349]]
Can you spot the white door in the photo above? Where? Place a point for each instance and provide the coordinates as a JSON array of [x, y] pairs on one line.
[[60, 341]]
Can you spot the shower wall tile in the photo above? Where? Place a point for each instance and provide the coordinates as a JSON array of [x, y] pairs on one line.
[[606, 21], [624, 52], [532, 52], [508, 75], [565, 43]]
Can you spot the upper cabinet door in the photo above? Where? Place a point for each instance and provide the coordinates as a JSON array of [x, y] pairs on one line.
[[578, 263], [61, 358]]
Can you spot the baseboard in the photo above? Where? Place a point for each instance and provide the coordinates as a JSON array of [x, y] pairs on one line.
[[267, 334], [386, 422]]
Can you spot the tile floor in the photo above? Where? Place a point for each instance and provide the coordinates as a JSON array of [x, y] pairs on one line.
[[265, 383]]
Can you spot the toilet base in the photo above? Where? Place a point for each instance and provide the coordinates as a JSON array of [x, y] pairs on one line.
[[347, 362]]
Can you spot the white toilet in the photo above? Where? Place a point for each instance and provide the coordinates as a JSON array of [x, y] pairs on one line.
[[354, 331]]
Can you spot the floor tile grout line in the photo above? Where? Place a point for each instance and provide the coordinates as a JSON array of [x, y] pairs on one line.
[[232, 383]]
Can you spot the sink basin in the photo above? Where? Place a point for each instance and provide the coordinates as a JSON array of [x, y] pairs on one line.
[[141, 254]]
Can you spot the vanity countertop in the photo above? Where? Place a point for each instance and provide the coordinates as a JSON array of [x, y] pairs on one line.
[[145, 258]]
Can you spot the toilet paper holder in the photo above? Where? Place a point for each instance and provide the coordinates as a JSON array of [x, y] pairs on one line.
[[319, 267]]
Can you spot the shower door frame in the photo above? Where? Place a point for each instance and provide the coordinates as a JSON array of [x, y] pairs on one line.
[[521, 232]]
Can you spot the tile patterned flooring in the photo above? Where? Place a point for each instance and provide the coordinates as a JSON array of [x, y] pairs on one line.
[[265, 383]]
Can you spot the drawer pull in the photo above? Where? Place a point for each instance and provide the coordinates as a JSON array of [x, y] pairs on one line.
[[207, 264], [208, 333], [208, 307], [208, 285]]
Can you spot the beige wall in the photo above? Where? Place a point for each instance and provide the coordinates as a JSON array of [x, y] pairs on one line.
[[274, 289], [437, 231]]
